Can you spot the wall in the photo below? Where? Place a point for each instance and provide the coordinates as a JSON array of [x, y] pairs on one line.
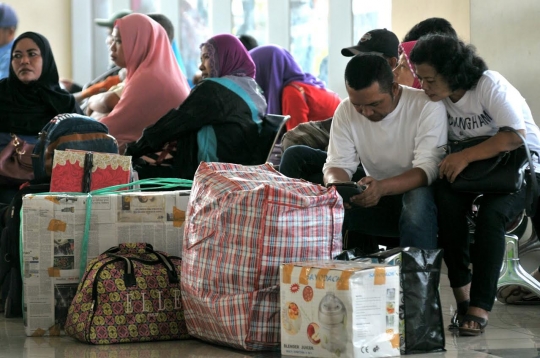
[[407, 13], [51, 18], [506, 36]]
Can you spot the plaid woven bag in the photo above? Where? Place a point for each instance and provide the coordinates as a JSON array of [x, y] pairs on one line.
[[130, 293], [243, 222]]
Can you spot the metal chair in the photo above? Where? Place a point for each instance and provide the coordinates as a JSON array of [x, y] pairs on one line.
[[531, 243], [270, 138], [512, 273]]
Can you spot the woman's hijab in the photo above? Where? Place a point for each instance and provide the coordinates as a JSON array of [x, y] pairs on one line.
[[276, 68], [154, 83], [406, 48], [229, 57], [26, 108]]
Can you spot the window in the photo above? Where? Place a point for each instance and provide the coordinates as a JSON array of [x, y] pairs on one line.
[[193, 32], [309, 36], [250, 18], [369, 15]]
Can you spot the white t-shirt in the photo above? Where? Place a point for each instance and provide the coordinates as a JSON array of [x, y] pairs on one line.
[[492, 104], [411, 136]]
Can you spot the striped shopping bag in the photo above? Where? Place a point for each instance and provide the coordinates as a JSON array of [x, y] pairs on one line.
[[243, 222]]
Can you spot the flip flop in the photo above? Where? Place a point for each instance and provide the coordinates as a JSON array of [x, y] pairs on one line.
[[482, 322]]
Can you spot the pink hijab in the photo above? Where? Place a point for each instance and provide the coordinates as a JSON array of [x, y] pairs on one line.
[[406, 48], [154, 83]]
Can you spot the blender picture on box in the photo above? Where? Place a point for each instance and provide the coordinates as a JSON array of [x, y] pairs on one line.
[[339, 309]]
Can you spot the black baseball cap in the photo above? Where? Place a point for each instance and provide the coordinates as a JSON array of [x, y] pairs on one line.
[[110, 21], [379, 41]]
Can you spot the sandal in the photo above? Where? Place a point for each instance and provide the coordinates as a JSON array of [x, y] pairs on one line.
[[482, 322], [457, 318]]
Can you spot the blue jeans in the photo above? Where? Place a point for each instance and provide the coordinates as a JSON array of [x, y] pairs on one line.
[[303, 162], [411, 216]]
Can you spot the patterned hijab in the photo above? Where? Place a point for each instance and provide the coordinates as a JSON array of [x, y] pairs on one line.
[[154, 83], [26, 108], [276, 68], [228, 57], [406, 48]]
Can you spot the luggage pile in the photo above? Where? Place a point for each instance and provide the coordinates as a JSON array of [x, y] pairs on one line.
[[137, 262]]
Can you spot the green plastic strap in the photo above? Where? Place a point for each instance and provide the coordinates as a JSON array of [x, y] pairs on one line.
[[157, 183], [149, 185]]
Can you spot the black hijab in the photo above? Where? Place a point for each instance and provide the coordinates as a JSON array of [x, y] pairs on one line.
[[26, 108]]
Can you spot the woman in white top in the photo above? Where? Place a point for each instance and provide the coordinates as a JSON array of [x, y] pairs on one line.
[[478, 102]]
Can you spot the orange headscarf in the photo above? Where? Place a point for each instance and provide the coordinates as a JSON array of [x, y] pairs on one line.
[[154, 83]]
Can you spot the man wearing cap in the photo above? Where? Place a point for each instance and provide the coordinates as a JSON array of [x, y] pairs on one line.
[[8, 26], [109, 23], [303, 162], [380, 42], [396, 133]]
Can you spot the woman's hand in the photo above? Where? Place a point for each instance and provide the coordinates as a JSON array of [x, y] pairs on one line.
[[452, 165]]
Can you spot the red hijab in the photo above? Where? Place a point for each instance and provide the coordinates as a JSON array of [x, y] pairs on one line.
[[154, 83]]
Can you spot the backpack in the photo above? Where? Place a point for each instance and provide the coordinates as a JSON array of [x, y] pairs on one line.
[[69, 131]]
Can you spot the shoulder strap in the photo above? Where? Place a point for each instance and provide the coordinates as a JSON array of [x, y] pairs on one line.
[[531, 199]]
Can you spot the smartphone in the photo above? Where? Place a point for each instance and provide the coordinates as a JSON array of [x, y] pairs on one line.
[[348, 189]]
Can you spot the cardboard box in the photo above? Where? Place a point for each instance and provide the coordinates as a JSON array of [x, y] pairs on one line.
[[52, 236], [339, 309], [68, 172]]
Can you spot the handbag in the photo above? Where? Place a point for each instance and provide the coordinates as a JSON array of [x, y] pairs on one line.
[[16, 162], [503, 174], [130, 293]]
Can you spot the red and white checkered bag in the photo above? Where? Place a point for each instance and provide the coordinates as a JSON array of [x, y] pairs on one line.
[[242, 223]]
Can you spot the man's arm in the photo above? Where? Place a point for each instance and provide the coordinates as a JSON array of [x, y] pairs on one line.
[[333, 175], [411, 179], [376, 189], [342, 160]]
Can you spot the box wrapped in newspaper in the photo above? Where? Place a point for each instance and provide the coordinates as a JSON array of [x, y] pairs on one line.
[[339, 309], [52, 243]]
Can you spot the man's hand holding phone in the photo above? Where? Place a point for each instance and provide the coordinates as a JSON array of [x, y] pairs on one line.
[[347, 190]]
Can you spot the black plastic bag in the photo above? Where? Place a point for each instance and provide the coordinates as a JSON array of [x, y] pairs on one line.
[[420, 308]]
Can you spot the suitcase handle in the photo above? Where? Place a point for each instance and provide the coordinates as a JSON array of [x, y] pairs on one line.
[[129, 274]]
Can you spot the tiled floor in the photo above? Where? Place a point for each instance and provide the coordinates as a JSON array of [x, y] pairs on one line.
[[513, 331]]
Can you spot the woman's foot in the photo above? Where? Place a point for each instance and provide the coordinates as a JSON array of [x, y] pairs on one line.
[[462, 293], [462, 299], [461, 311], [474, 322]]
